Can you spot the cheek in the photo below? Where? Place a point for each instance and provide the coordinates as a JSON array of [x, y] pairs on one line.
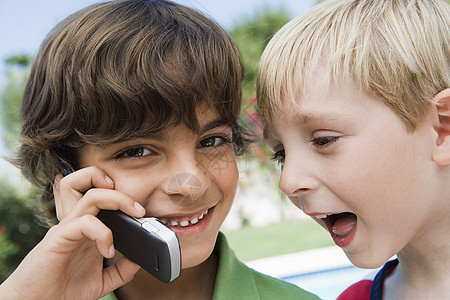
[[136, 186], [228, 183], [379, 181], [224, 173]]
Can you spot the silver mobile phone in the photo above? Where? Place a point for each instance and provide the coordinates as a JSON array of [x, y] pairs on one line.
[[147, 242]]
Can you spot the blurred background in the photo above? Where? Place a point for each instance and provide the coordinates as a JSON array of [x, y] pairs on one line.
[[262, 223]]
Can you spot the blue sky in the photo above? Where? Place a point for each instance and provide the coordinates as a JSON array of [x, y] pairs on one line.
[[24, 23]]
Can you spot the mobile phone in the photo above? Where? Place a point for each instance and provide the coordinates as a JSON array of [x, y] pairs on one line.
[[145, 241]]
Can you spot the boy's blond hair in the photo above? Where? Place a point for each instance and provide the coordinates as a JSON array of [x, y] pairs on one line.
[[397, 51]]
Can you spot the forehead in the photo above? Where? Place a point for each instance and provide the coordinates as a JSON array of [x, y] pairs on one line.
[[284, 89], [319, 104], [204, 112], [206, 117], [312, 92]]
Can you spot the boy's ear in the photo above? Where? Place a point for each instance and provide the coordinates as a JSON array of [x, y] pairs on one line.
[[441, 154]]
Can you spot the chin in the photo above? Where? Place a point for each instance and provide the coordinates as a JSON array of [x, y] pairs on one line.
[[365, 261], [194, 256], [367, 265]]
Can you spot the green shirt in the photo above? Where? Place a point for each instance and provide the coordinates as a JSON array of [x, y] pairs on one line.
[[235, 280]]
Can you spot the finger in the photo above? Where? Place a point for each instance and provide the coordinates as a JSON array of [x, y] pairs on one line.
[[72, 187], [57, 197], [69, 235], [96, 199], [86, 178], [118, 274]]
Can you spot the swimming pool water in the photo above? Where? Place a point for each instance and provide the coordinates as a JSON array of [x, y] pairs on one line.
[[328, 284]]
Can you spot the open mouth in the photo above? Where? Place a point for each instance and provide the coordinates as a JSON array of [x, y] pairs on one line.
[[341, 227]]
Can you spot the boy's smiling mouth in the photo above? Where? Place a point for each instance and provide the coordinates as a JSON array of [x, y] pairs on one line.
[[189, 224], [184, 221], [342, 227]]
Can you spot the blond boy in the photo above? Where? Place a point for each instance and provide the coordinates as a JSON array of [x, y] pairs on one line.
[[355, 100]]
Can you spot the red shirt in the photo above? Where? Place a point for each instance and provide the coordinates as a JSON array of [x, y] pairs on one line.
[[367, 288]]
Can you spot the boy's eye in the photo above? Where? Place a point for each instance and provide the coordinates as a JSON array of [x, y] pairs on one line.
[[279, 157], [213, 141], [324, 141], [134, 152]]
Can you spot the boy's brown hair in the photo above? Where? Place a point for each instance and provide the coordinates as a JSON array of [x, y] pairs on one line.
[[121, 70]]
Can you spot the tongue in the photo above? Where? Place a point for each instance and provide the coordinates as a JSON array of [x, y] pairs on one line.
[[344, 224]]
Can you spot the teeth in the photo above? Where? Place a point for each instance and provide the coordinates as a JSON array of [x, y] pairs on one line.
[[184, 223], [203, 214], [321, 216]]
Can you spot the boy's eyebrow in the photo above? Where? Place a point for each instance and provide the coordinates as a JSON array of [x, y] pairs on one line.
[[161, 135], [154, 135], [214, 124], [332, 116], [304, 119]]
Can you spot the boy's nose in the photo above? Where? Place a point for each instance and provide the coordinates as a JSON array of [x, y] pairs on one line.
[[188, 181], [297, 176]]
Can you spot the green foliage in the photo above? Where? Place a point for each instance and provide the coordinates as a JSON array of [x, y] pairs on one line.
[[19, 228], [22, 60], [7, 249], [18, 67], [252, 37]]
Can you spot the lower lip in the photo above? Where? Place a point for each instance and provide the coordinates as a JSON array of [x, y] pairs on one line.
[[343, 241], [196, 228]]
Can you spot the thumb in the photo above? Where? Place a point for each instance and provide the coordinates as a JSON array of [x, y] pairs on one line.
[[118, 274]]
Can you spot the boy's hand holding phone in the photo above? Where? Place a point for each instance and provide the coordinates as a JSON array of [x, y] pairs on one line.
[[146, 241], [68, 262]]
